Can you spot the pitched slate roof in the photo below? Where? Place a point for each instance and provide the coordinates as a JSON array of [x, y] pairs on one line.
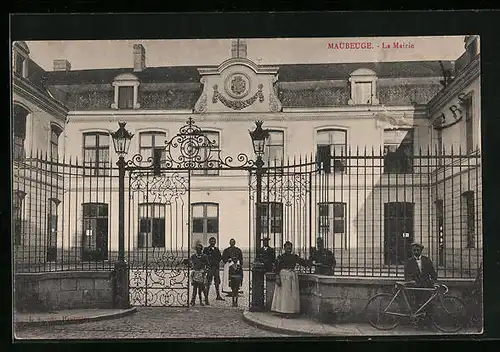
[[339, 71], [287, 73], [178, 74]]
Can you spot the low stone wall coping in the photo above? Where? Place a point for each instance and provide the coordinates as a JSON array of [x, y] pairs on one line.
[[56, 275], [359, 280]]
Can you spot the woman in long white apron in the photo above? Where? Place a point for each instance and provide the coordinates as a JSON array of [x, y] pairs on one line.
[[225, 278], [286, 298]]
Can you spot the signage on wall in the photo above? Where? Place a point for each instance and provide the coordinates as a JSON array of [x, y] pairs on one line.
[[452, 115]]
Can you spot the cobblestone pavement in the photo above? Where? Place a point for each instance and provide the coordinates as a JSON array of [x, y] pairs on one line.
[[215, 321]]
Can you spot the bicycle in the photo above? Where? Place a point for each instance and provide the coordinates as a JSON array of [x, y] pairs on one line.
[[387, 306]]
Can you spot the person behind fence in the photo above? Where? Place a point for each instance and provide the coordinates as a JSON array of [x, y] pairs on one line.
[[286, 297], [267, 255], [214, 258], [230, 252], [199, 263], [235, 279], [322, 258], [420, 271]]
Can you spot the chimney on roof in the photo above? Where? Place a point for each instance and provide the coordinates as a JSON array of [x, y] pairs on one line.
[[139, 58], [62, 65], [239, 48]]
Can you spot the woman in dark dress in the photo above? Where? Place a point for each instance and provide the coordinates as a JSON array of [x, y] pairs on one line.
[[199, 264], [286, 298]]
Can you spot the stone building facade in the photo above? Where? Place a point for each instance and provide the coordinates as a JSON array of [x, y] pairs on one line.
[[312, 110]]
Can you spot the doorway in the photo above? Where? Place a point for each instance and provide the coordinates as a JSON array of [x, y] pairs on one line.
[[95, 232], [398, 232]]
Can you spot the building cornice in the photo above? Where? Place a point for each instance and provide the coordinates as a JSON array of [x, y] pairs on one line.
[[129, 112], [464, 79], [292, 114], [363, 110], [26, 90]]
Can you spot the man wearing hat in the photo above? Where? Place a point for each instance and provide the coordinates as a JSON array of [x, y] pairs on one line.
[[420, 270], [267, 255]]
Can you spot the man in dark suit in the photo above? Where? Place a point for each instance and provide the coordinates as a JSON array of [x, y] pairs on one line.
[[323, 259], [267, 255], [214, 258], [420, 270]]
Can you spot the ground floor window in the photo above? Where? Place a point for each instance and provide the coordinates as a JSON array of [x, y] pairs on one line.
[[468, 216], [18, 216], [272, 223], [52, 221], [95, 231], [332, 224], [151, 225], [205, 223]]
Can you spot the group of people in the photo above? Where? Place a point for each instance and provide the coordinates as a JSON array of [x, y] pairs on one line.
[[418, 270], [286, 298], [205, 265]]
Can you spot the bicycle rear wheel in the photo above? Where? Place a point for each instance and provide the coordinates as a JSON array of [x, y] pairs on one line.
[[377, 309], [449, 314]]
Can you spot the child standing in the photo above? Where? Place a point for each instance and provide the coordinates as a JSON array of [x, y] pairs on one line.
[[235, 279], [199, 264]]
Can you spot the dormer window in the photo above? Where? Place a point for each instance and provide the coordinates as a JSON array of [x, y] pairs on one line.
[[20, 56], [363, 87], [126, 92], [126, 97]]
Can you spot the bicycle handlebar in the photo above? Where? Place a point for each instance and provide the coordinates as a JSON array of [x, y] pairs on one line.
[[443, 286]]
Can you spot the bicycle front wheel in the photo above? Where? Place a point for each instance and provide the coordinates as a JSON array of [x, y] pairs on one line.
[[378, 312], [449, 314]]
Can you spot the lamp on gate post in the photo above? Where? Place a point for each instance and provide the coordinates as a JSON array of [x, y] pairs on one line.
[[258, 136], [121, 142]]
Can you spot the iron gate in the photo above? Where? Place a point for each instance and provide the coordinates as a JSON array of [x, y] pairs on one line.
[[159, 214]]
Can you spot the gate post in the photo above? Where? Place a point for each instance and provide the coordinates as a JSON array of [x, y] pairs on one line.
[[121, 295], [121, 141], [258, 271]]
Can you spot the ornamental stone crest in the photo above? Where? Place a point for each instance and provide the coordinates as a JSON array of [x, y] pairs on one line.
[[237, 85]]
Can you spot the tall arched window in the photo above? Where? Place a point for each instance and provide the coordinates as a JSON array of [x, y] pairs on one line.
[[96, 152], [209, 151], [332, 146], [19, 133], [55, 132]]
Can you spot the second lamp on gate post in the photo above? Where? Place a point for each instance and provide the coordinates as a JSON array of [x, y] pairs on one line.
[[258, 136], [121, 142]]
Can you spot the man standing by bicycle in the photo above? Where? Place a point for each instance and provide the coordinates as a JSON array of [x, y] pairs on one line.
[[420, 270]]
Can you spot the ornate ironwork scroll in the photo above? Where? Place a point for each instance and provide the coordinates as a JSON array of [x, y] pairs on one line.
[[163, 188], [287, 189], [191, 149]]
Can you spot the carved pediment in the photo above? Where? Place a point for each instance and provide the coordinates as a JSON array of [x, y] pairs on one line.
[[238, 84]]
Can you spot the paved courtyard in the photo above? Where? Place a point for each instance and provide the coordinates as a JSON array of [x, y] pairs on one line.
[[157, 323]]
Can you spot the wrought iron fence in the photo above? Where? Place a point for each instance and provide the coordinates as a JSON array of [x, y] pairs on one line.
[[368, 207], [62, 212]]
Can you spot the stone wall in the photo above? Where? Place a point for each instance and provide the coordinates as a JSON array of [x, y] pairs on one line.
[[343, 299], [52, 291]]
